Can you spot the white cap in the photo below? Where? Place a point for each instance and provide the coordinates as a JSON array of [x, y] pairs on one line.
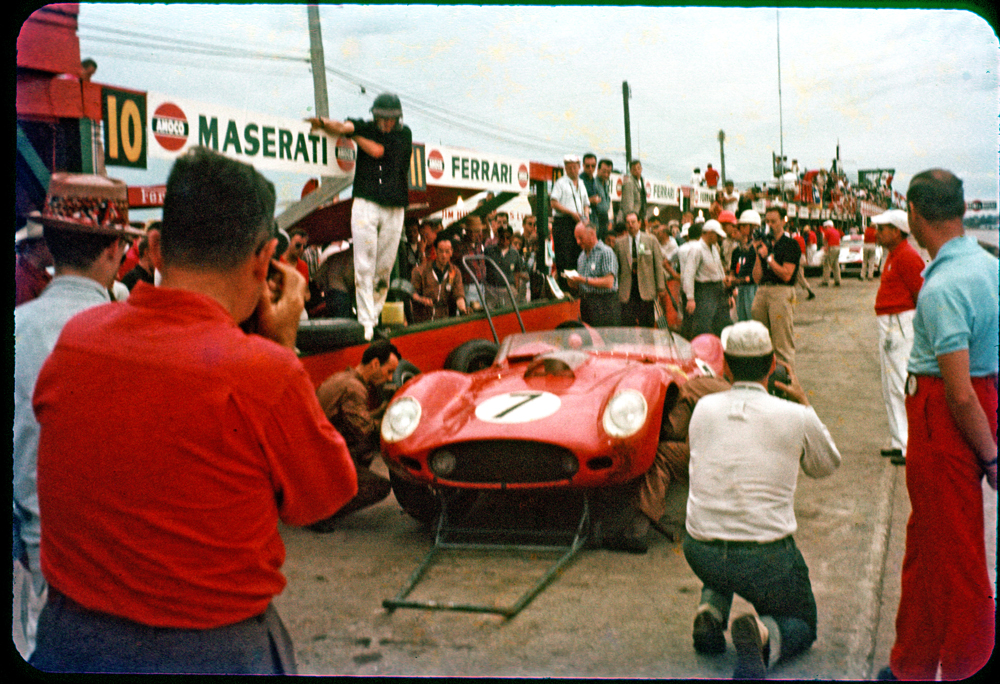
[[571, 158], [750, 216], [746, 339], [895, 217], [31, 231], [828, 222], [715, 227]]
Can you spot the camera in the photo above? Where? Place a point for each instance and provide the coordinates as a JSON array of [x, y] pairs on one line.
[[780, 374]]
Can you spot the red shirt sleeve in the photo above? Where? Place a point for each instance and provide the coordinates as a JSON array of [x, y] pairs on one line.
[[312, 469]]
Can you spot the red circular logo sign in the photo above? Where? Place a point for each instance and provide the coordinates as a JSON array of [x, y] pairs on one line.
[[649, 188], [170, 126], [618, 187], [522, 176], [346, 154], [435, 164]]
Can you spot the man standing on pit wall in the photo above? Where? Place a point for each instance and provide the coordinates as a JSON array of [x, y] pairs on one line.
[[161, 543], [895, 307], [831, 261], [775, 271], [947, 608], [633, 193], [570, 206], [746, 450], [641, 278], [381, 194]]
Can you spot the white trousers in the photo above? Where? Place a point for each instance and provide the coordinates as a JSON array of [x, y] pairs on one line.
[[30, 592], [376, 231], [895, 340]]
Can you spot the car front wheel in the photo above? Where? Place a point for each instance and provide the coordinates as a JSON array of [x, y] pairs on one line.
[[423, 503]]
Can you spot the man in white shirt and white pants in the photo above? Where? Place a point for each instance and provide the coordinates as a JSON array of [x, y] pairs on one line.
[[746, 450]]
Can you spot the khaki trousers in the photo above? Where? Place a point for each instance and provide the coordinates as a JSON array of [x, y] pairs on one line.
[[774, 306]]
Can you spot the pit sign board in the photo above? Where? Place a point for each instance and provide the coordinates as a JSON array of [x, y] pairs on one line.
[[269, 143], [460, 168], [656, 192]]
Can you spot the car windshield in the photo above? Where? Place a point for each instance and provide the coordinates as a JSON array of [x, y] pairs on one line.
[[646, 342]]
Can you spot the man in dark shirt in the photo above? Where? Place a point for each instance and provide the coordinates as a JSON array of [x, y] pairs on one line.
[[381, 193], [774, 272]]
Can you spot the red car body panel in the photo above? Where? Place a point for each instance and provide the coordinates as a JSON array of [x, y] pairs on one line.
[[569, 420], [427, 345]]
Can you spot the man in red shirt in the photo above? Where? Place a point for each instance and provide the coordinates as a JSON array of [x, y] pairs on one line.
[[161, 547], [711, 177], [868, 250], [895, 307], [831, 261]]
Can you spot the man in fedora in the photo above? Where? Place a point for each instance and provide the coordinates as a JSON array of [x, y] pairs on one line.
[[86, 253], [161, 543]]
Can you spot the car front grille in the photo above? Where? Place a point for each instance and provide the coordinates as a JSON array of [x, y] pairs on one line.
[[509, 462]]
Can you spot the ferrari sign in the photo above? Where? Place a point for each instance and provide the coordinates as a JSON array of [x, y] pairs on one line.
[[458, 168]]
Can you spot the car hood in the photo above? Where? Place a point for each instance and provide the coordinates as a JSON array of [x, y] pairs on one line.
[[501, 402]]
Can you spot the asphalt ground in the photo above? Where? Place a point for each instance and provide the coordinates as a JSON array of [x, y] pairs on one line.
[[612, 614]]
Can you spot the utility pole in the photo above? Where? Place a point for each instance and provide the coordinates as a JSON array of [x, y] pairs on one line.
[[781, 119], [626, 93], [318, 63], [722, 154]]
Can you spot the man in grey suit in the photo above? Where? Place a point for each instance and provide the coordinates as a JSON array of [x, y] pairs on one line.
[[641, 278]]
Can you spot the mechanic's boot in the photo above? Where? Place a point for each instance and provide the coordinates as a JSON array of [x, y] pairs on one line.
[[372, 488], [709, 637], [750, 639], [631, 537]]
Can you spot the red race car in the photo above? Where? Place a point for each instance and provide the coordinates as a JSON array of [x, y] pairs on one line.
[[565, 408]]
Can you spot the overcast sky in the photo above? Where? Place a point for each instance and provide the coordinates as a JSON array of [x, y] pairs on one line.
[[904, 89]]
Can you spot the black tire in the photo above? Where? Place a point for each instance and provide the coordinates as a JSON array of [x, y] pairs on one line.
[[471, 356], [423, 503], [404, 371]]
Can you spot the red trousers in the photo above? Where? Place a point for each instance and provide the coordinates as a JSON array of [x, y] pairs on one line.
[[946, 606]]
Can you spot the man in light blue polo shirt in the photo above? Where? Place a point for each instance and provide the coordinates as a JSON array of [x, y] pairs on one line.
[[87, 256], [946, 614]]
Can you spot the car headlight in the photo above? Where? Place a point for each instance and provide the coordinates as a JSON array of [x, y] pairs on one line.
[[401, 419], [625, 414]]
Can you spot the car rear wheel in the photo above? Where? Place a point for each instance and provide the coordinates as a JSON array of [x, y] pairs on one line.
[[423, 503], [471, 356]]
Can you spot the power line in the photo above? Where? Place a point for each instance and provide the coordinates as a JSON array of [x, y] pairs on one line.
[[451, 118]]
